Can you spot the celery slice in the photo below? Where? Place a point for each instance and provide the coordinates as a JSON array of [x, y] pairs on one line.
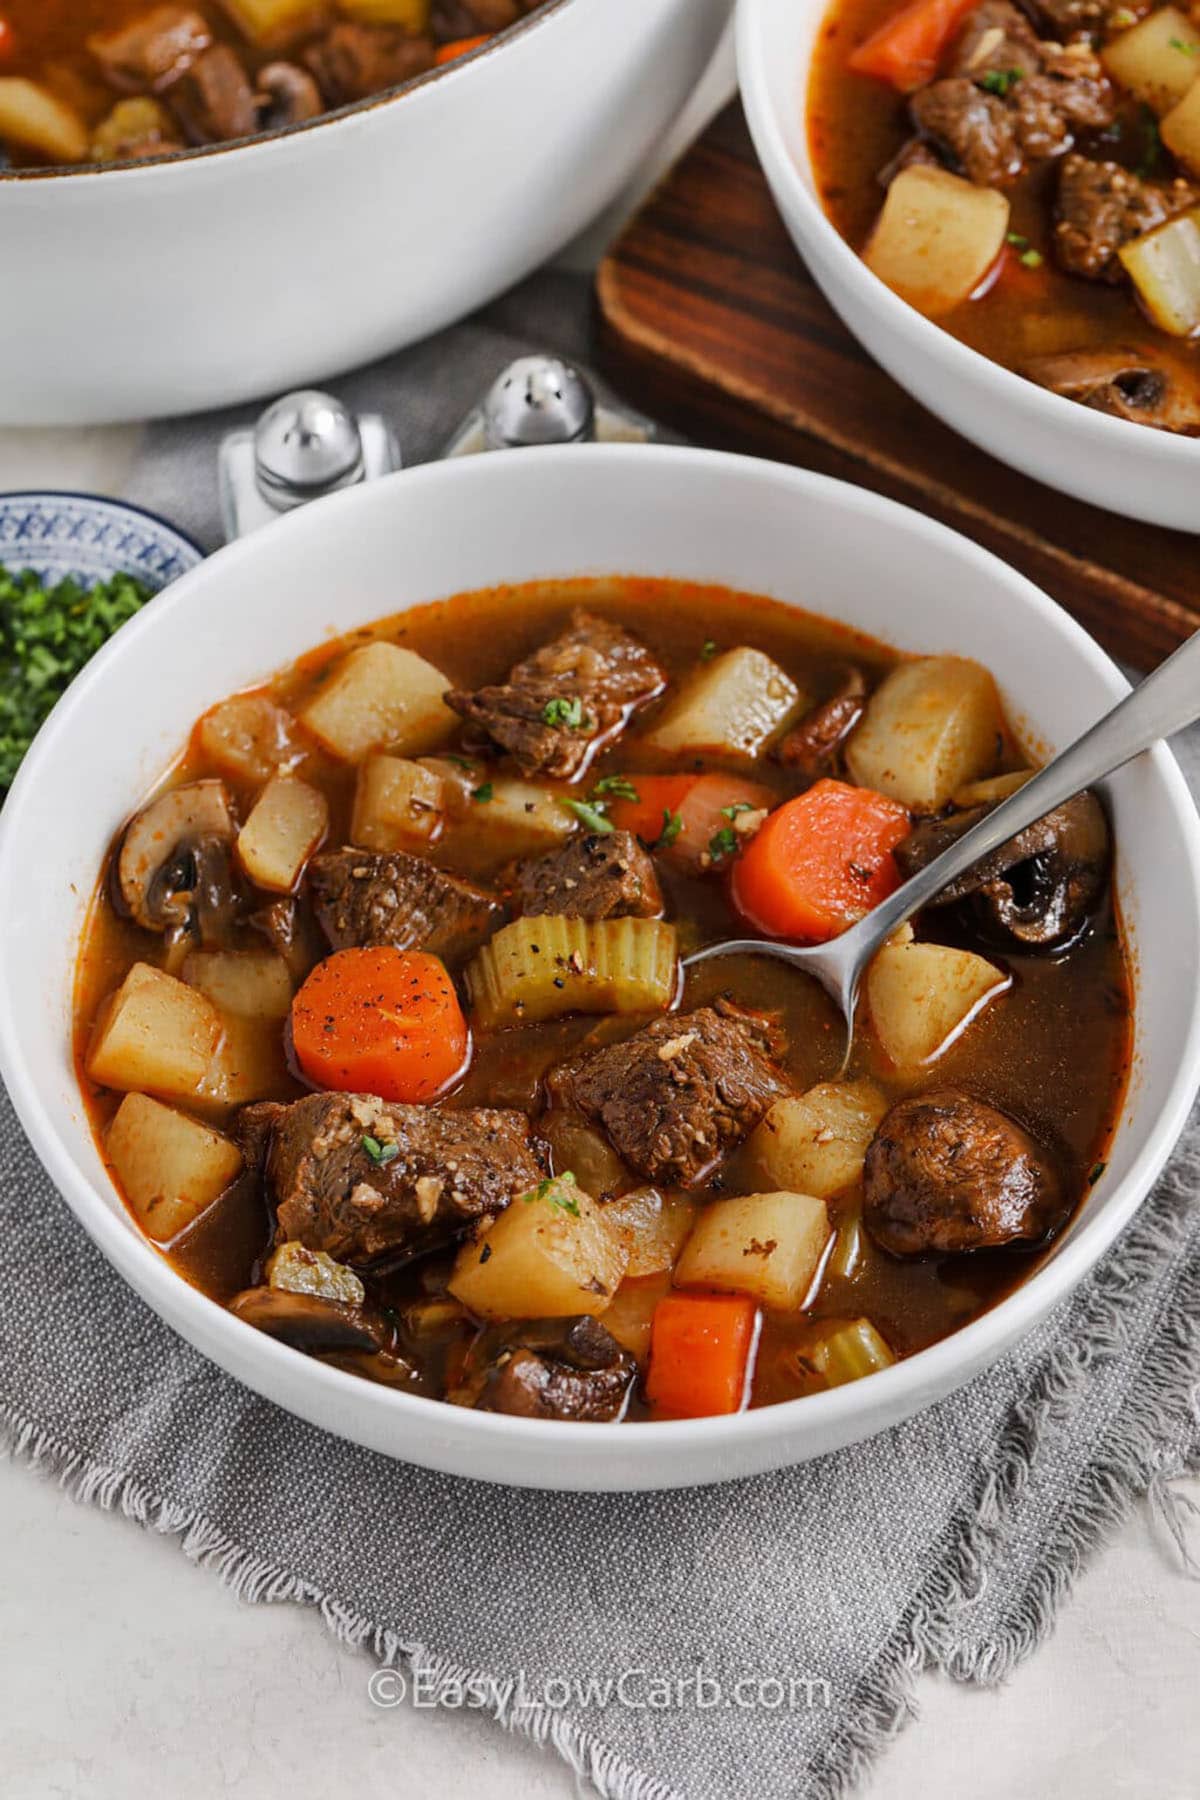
[[848, 1350], [541, 968]]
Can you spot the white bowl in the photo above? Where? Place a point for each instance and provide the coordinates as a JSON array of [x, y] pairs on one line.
[[243, 270], [1130, 469], [537, 514]]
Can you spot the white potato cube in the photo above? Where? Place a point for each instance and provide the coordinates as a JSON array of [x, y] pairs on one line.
[[248, 737], [936, 238], [1155, 60], [253, 983], [548, 1256], [1164, 267], [921, 996], [273, 23], [398, 805], [931, 725], [287, 822], [32, 116], [815, 1143], [156, 1034], [380, 697], [170, 1166], [767, 1245], [734, 706], [491, 819], [654, 1227], [1181, 129]]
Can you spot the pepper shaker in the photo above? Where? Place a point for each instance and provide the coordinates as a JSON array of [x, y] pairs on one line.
[[304, 446]]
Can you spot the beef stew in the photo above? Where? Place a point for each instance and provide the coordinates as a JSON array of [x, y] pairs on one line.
[[120, 81], [1029, 177], [384, 1036]]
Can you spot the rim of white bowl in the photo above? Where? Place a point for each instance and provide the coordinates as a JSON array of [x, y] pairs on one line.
[[896, 1391], [260, 141], [961, 361]]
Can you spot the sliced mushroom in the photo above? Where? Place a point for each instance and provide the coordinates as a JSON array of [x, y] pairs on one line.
[[306, 1321], [1040, 887], [1122, 383], [173, 871], [287, 95], [815, 740]]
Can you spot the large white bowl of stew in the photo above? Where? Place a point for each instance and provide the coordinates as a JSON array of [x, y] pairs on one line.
[[1001, 204], [345, 1007], [210, 200]]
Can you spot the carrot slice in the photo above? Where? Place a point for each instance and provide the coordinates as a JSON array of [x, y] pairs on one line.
[[908, 47], [700, 1350], [380, 1021], [460, 47], [820, 862], [656, 808]]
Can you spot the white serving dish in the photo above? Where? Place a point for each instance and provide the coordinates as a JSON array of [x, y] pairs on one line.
[[243, 270], [1130, 469], [536, 514]]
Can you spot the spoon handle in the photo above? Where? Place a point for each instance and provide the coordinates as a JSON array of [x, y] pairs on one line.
[[1164, 703]]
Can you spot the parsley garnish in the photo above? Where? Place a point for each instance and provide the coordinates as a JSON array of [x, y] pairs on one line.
[[708, 649], [1001, 81], [619, 786], [591, 816], [380, 1153], [736, 810], [550, 1190], [485, 791], [1096, 1173], [1185, 49], [722, 843], [1029, 257], [1151, 143], [565, 712], [47, 634], [672, 825]]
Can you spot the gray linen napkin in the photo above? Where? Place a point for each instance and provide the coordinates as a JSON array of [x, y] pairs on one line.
[[760, 1637]]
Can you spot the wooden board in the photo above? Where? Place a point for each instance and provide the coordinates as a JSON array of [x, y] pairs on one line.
[[709, 320]]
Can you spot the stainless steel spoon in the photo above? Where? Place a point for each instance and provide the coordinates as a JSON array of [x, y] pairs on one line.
[[1164, 703]]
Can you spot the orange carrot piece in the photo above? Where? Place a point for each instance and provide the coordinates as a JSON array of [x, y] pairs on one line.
[[460, 47], [380, 1021], [908, 47], [659, 798], [700, 1350], [820, 862]]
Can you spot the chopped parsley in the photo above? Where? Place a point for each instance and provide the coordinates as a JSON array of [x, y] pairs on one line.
[[380, 1153], [551, 1191], [1122, 18], [708, 649], [1029, 258], [1151, 155], [565, 712], [47, 634], [672, 825], [723, 843], [619, 786], [1096, 1173], [1183, 47], [460, 762], [485, 791], [736, 810], [1001, 81], [593, 817]]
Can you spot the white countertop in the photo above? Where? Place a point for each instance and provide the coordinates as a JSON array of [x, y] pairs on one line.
[[128, 1669]]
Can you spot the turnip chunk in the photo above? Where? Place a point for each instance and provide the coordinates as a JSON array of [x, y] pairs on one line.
[[1164, 266], [287, 822], [1181, 131], [398, 805], [735, 706], [932, 725], [766, 1245], [156, 1034], [32, 116], [549, 1256], [920, 997], [380, 697], [170, 1166], [936, 238], [1155, 60], [814, 1143]]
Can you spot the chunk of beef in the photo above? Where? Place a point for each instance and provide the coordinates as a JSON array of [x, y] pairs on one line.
[[974, 128], [1123, 383], [433, 1174], [1067, 17], [1101, 206], [213, 99], [353, 61], [681, 1093], [995, 39], [946, 1173], [149, 54], [364, 898], [547, 1369], [814, 742], [914, 154], [591, 877], [452, 19], [566, 699]]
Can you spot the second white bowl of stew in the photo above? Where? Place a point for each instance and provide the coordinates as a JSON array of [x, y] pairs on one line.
[[348, 1007], [1003, 202]]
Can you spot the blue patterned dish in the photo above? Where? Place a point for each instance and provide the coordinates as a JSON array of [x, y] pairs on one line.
[[91, 538]]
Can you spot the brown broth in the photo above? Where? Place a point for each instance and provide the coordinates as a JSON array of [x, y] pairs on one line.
[[1055, 1054]]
